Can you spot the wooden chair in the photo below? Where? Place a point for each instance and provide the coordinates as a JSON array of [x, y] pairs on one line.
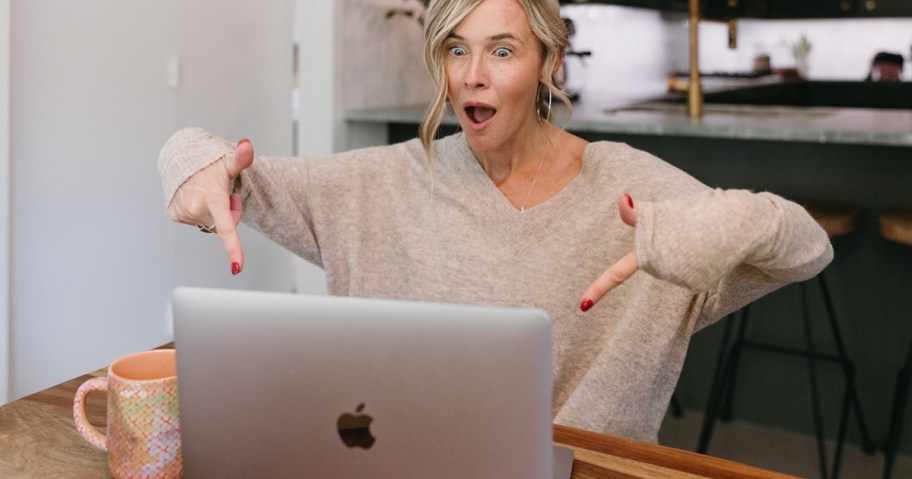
[[896, 226], [836, 221]]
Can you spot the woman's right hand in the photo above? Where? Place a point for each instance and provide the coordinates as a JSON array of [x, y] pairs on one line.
[[206, 199], [620, 271]]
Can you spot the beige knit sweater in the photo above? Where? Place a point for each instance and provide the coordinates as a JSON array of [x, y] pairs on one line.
[[384, 222]]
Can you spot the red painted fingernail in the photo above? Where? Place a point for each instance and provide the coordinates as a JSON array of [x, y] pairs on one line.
[[235, 268], [629, 199], [586, 305]]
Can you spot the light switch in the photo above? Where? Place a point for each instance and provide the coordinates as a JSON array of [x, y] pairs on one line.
[[173, 72]]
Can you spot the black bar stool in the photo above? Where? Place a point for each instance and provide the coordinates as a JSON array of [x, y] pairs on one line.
[[896, 226], [677, 410], [835, 221]]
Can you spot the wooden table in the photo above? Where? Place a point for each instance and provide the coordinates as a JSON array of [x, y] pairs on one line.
[[38, 439]]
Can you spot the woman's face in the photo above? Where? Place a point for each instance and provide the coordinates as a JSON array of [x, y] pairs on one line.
[[493, 62], [886, 71]]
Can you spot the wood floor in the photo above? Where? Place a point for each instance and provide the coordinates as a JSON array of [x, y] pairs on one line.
[[775, 449]]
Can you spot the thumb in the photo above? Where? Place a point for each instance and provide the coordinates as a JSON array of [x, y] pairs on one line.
[[243, 158], [627, 210]]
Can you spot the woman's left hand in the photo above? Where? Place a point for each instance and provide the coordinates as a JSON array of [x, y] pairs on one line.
[[619, 271]]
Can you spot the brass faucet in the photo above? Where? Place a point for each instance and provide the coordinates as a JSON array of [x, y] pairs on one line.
[[694, 88]]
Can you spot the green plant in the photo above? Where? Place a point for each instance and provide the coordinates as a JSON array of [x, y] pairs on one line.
[[801, 48]]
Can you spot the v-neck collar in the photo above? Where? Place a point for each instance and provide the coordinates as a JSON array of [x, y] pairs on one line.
[[478, 186]]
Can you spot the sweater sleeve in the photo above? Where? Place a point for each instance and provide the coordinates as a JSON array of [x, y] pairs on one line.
[[186, 152], [732, 245]]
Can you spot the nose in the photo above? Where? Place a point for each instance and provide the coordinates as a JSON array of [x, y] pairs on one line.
[[476, 75]]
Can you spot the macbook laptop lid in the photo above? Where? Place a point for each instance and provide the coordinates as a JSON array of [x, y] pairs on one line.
[[286, 385]]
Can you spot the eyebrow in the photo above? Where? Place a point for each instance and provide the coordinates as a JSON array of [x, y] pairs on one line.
[[493, 38]]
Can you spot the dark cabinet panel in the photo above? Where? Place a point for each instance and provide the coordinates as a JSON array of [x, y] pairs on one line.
[[676, 5], [724, 9], [839, 94], [839, 8], [884, 8], [811, 8], [775, 9], [652, 4], [708, 8]]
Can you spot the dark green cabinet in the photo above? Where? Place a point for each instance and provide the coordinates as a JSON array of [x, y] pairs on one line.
[[838, 8], [884, 8], [715, 9], [651, 4], [811, 8], [725, 9], [774, 9]]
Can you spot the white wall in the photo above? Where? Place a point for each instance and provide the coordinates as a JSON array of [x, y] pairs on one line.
[[88, 243], [841, 49], [93, 255], [635, 49], [630, 54], [4, 197], [236, 80]]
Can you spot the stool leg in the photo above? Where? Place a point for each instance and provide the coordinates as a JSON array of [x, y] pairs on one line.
[[847, 404], [896, 417], [721, 375], [728, 393], [812, 373], [676, 409], [848, 366], [723, 382]]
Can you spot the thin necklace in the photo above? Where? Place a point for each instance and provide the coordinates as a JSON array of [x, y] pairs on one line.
[[541, 163]]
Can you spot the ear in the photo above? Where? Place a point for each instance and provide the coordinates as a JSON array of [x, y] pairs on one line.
[[558, 63]]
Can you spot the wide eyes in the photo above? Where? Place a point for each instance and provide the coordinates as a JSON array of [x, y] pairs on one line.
[[500, 52]]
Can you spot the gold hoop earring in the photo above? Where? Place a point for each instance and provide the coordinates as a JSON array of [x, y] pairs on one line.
[[550, 98], [538, 108]]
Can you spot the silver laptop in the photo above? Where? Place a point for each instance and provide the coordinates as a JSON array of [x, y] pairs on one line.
[[285, 385]]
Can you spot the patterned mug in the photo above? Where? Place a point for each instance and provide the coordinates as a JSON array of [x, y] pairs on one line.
[[143, 433]]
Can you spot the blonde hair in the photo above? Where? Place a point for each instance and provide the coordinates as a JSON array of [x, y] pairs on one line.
[[442, 18]]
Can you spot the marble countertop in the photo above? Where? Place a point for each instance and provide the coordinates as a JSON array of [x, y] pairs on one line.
[[648, 115]]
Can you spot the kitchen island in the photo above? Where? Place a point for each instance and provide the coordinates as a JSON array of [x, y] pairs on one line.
[[853, 156]]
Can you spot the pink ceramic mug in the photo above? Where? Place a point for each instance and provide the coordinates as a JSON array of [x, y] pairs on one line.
[[143, 434]]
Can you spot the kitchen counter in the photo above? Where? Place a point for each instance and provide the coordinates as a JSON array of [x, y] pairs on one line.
[[656, 116], [778, 123]]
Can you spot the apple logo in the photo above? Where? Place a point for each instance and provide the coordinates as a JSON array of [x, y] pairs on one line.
[[354, 429]]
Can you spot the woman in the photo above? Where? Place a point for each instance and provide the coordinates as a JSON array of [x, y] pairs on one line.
[[514, 211], [886, 66]]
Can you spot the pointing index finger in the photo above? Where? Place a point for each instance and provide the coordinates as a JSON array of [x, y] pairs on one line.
[[611, 278], [227, 232]]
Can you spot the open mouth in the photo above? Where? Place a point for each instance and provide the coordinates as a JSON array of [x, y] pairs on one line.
[[479, 114]]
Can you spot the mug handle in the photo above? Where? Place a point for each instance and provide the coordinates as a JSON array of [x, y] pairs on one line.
[[86, 430]]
